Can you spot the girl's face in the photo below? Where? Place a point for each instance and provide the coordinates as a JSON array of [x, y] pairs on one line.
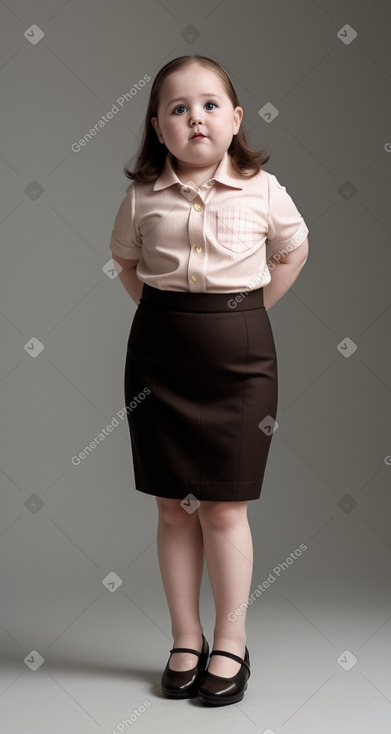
[[194, 99]]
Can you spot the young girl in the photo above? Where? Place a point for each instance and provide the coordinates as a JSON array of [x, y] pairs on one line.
[[190, 239]]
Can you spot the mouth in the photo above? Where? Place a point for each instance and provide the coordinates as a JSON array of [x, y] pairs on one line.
[[197, 135]]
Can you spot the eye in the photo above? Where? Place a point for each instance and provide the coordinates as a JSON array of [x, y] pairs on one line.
[[183, 106]]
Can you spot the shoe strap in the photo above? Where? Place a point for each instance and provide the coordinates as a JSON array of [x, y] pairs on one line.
[[189, 649], [185, 649], [230, 655]]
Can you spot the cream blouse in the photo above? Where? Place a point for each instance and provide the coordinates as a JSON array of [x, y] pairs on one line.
[[206, 239]]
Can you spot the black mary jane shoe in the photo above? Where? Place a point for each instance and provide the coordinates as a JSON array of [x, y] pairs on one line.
[[218, 690], [184, 683]]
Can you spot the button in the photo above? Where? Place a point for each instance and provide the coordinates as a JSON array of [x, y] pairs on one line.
[[194, 278], [207, 184], [198, 207], [198, 248]]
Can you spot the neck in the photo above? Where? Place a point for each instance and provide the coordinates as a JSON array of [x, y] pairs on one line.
[[199, 175]]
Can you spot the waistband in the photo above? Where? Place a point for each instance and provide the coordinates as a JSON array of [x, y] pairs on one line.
[[188, 301]]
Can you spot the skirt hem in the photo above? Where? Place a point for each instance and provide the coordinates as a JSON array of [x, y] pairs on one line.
[[230, 492]]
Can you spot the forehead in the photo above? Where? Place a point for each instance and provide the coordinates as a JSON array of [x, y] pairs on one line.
[[192, 79]]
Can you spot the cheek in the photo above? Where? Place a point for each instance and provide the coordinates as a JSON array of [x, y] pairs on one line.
[[175, 126], [228, 121], [220, 120]]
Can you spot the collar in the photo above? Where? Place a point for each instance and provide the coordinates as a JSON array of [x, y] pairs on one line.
[[225, 174]]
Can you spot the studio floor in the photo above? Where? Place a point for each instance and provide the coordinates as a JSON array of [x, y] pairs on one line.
[[314, 670]]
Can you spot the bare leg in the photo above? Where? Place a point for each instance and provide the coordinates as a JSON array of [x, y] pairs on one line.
[[229, 557], [181, 561]]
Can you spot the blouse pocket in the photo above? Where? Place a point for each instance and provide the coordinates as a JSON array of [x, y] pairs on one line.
[[238, 230]]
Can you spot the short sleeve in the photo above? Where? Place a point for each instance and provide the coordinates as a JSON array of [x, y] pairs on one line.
[[286, 226], [126, 240]]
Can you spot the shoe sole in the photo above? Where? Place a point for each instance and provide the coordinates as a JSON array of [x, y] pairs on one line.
[[217, 701], [175, 694]]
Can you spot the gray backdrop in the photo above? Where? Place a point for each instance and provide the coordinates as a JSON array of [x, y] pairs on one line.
[[85, 631]]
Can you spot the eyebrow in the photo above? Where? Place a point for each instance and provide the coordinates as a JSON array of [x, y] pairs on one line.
[[208, 94]]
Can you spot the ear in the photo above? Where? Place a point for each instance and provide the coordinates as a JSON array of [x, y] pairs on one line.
[[156, 126], [238, 116]]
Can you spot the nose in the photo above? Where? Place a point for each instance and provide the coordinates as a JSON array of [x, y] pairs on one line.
[[196, 118]]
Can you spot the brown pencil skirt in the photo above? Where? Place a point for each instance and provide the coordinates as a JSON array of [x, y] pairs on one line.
[[201, 394]]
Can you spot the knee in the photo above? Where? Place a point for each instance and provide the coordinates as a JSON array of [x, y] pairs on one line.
[[171, 512], [222, 515]]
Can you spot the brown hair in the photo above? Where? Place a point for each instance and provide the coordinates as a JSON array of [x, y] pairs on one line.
[[152, 154]]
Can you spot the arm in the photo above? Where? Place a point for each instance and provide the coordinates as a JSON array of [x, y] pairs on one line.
[[128, 277], [284, 270]]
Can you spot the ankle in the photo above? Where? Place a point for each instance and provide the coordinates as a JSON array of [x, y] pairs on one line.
[[189, 637], [231, 643]]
